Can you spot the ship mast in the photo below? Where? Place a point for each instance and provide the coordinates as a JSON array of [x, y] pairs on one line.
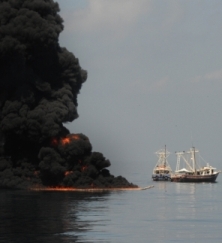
[[193, 158], [194, 161], [165, 157]]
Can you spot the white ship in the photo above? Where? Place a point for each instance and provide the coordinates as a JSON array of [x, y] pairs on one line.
[[162, 170]]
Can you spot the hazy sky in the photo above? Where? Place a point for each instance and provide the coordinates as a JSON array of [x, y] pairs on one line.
[[154, 77]]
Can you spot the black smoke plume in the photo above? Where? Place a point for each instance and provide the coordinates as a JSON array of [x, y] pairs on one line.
[[39, 85]]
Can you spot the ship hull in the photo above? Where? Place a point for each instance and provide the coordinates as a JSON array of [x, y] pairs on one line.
[[161, 177], [194, 178]]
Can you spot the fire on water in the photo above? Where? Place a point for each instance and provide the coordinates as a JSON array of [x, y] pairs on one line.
[[90, 189]]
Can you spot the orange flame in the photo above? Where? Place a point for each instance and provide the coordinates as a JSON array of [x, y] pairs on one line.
[[68, 172], [83, 168], [74, 136], [65, 140], [54, 141], [36, 173]]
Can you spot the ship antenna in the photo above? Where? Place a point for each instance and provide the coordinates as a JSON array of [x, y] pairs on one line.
[[192, 138]]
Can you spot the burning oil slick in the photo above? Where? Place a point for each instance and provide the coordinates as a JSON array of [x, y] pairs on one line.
[[39, 85]]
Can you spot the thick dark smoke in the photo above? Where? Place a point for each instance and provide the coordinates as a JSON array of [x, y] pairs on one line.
[[39, 85]]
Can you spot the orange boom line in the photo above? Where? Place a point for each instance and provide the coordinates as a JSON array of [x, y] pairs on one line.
[[90, 189]]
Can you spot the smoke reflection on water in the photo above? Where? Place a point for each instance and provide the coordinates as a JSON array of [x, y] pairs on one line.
[[45, 216], [169, 212]]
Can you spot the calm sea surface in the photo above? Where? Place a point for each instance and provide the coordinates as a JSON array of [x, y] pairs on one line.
[[169, 212]]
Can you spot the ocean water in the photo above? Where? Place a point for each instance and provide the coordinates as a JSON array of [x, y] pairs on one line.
[[168, 212]]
